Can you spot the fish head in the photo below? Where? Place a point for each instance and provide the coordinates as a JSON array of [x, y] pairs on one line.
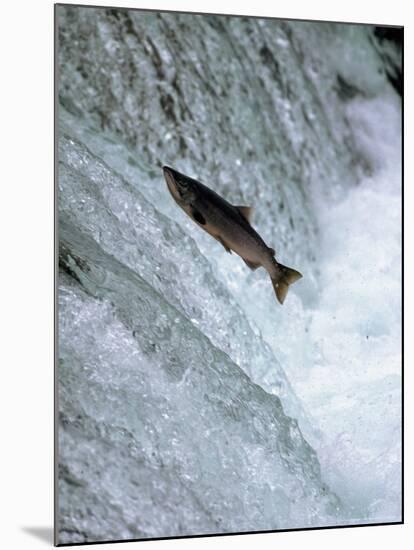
[[182, 188]]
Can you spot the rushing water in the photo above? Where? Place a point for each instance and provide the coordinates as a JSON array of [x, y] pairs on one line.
[[190, 401]]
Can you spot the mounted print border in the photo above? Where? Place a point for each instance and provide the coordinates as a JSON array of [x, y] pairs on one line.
[[229, 274]]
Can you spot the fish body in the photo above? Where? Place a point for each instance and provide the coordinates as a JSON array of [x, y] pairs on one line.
[[229, 225]]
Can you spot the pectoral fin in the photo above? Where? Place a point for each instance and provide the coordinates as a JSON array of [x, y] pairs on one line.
[[220, 240], [252, 265], [198, 217], [246, 212]]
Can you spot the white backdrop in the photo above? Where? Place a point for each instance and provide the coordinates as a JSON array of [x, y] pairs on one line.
[[26, 244]]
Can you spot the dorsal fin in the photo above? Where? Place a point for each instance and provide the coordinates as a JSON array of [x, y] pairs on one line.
[[246, 212]]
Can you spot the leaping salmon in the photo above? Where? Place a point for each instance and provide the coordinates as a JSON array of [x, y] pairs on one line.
[[230, 226]]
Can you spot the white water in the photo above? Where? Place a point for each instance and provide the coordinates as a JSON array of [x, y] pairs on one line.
[[191, 402], [353, 385]]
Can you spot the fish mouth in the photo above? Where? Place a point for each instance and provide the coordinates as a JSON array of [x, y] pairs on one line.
[[171, 182]]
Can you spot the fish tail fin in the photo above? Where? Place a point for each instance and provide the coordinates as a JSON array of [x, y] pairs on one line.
[[284, 277]]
